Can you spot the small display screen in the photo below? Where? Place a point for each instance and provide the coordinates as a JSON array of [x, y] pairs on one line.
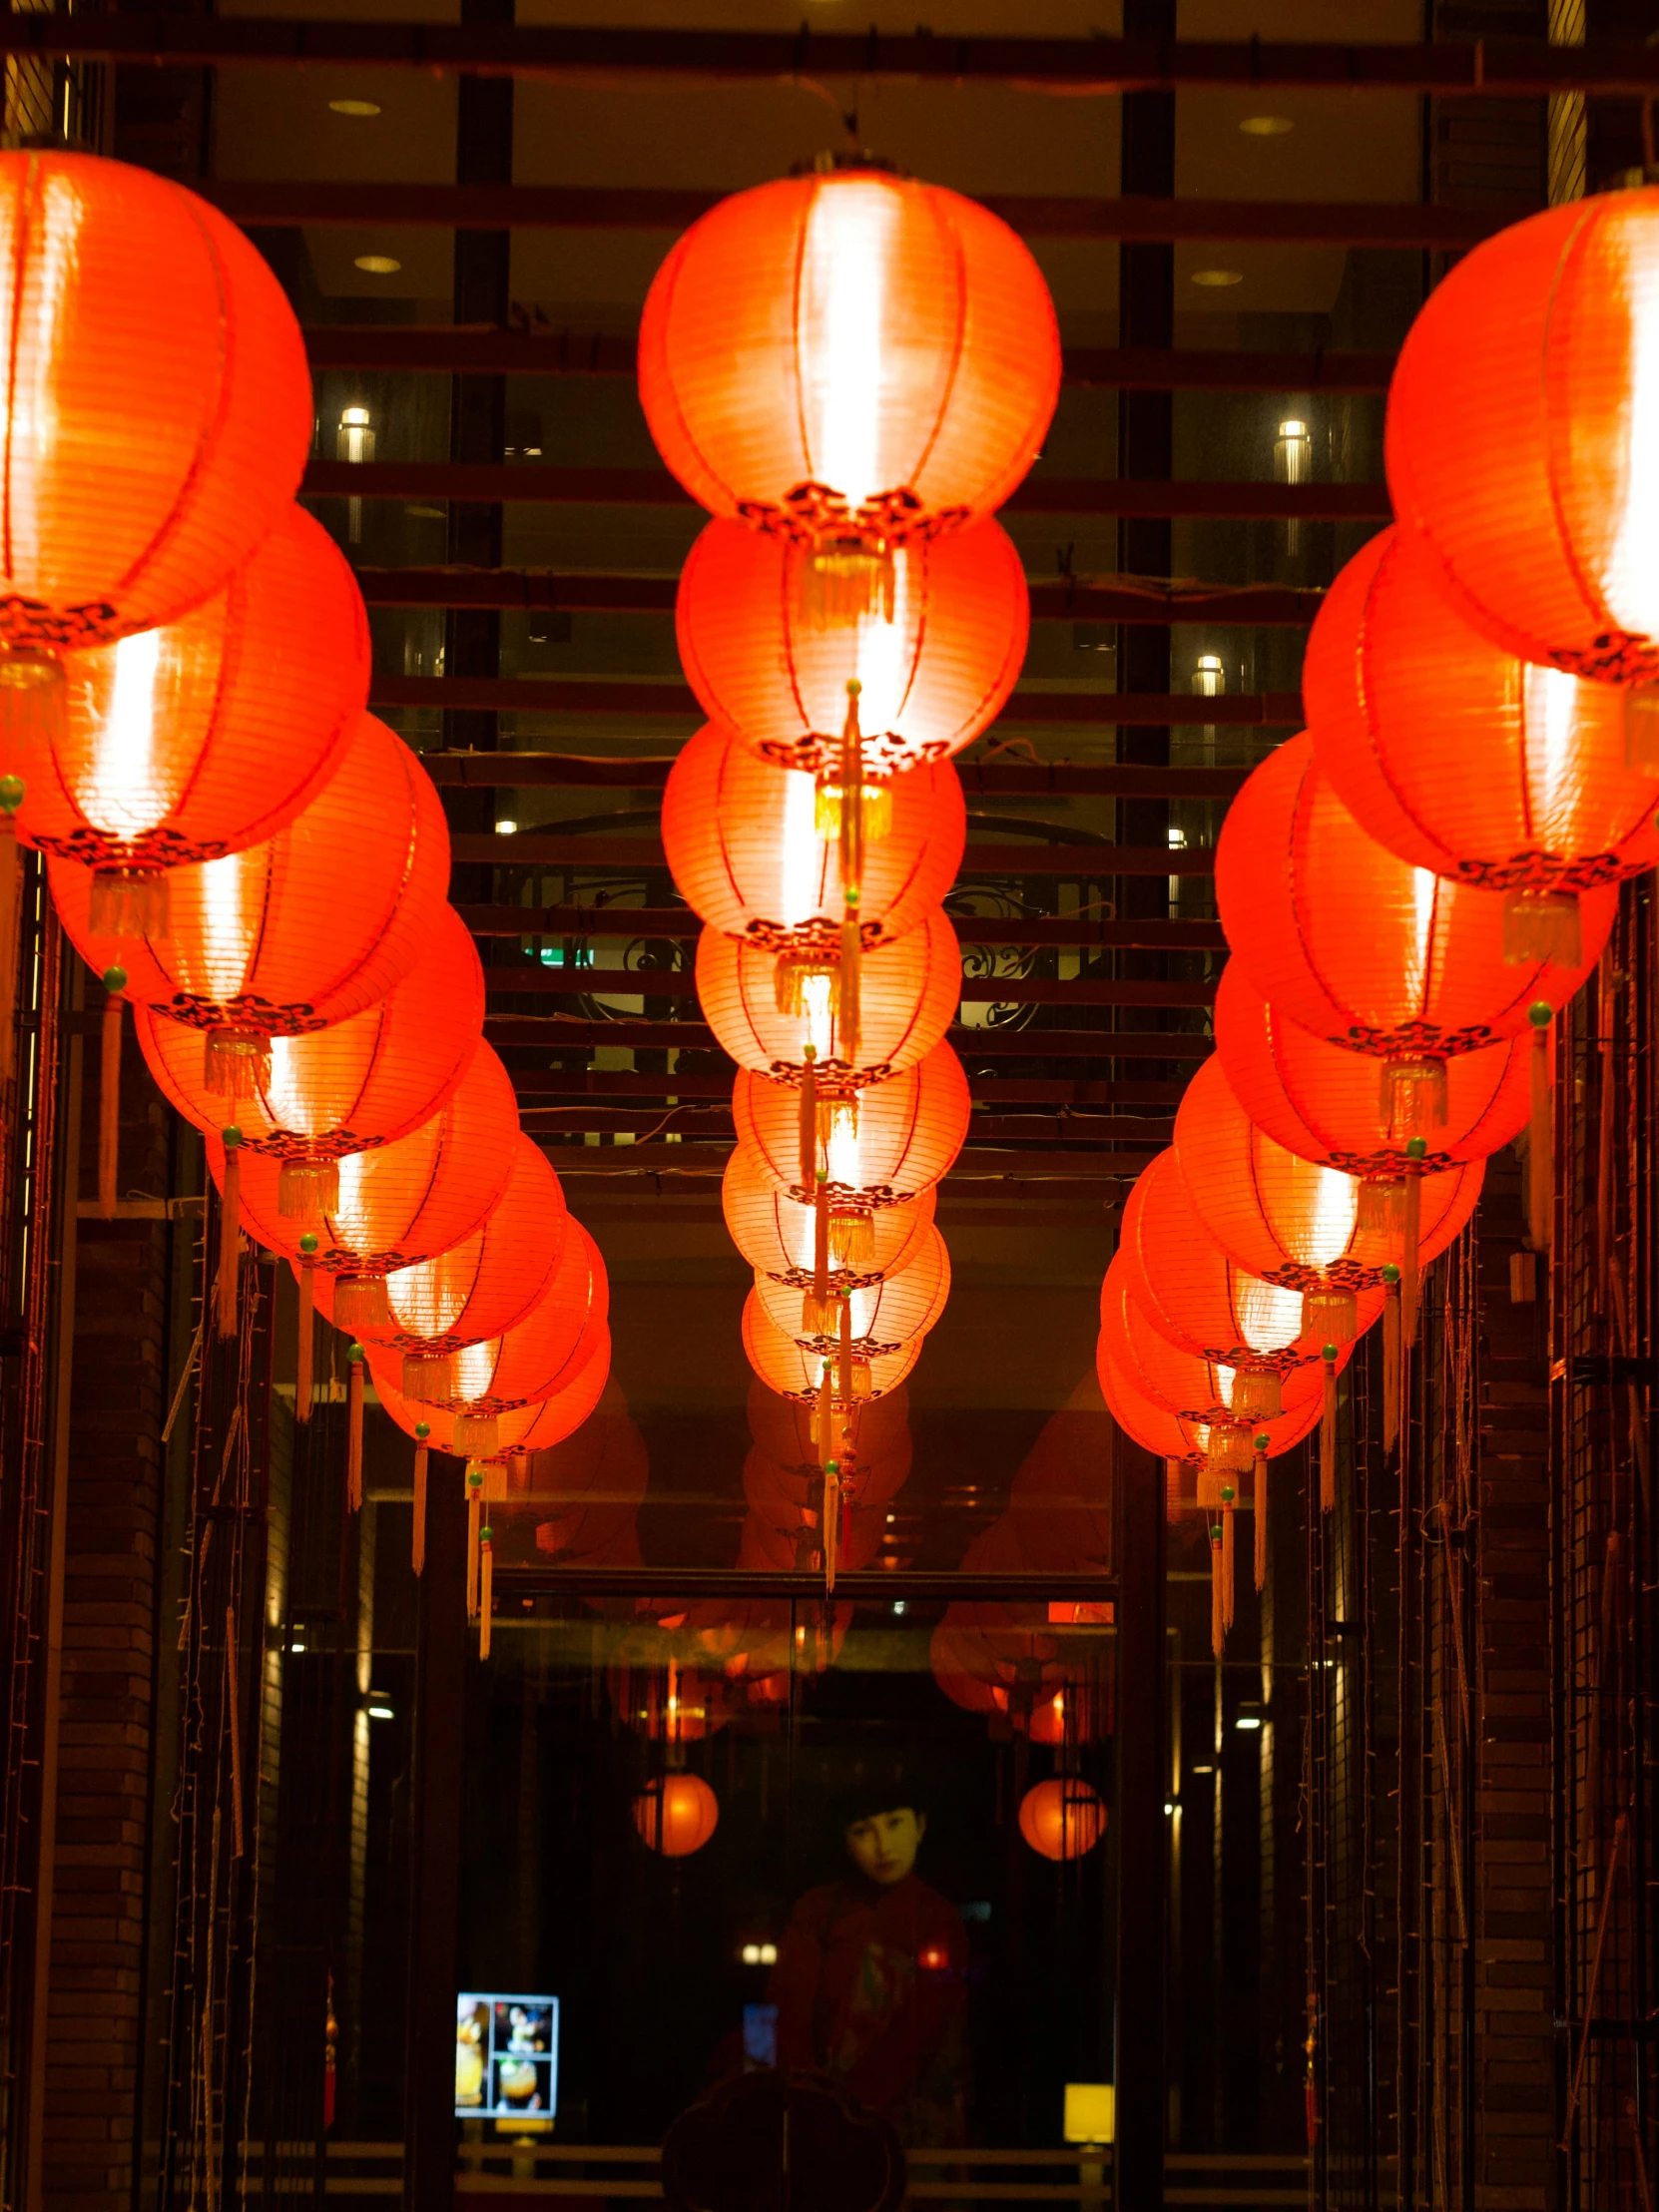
[[507, 2057]]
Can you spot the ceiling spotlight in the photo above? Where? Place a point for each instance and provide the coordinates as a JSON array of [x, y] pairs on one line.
[[383, 264], [1248, 1720], [1214, 279], [355, 107], [380, 1706], [1266, 126], [506, 828]]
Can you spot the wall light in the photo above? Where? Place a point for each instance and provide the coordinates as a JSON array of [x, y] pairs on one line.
[[506, 828], [378, 264], [1266, 126], [380, 1706], [355, 107], [1214, 279], [1248, 1721]]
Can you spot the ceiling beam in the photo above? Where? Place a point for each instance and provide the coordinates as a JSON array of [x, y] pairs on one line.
[[1071, 861], [1126, 599], [548, 1083], [1516, 67], [679, 922], [977, 990], [483, 349], [979, 779], [695, 1157], [713, 1121], [555, 695], [1412, 225], [563, 1033], [492, 484]]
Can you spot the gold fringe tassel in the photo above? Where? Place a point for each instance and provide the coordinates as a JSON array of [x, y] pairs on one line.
[[474, 1521], [230, 1231], [846, 1348], [354, 1429], [11, 879], [852, 799], [1540, 1163], [826, 1417], [1328, 1433], [417, 1553], [809, 1118], [486, 1591], [1218, 1631], [305, 1348], [820, 1243], [1261, 1502], [108, 1093], [831, 1524], [852, 956], [1228, 1590], [1411, 1268], [1390, 1357]]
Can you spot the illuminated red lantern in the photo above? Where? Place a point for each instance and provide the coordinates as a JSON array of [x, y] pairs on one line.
[[412, 1416], [1148, 1422], [886, 1316], [1063, 1818], [549, 1421], [365, 1081], [1460, 757], [1321, 1101], [478, 1288], [205, 736], [1202, 1390], [1517, 437], [1311, 1228], [403, 1203], [1205, 1304], [879, 1148], [677, 1815], [764, 1012], [744, 846], [159, 405], [786, 1367], [932, 675], [1369, 951], [850, 357], [307, 929], [777, 1235]]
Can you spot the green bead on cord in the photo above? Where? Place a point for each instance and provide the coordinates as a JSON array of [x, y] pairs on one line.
[[1390, 1275], [230, 1136], [423, 1429], [1540, 1013], [308, 1242], [115, 980], [1417, 1149], [11, 793], [356, 1354]]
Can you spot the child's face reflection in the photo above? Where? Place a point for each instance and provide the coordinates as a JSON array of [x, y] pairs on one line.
[[884, 1845]]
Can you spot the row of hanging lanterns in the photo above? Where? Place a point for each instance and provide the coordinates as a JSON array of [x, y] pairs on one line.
[[1414, 888], [242, 852], [850, 370]]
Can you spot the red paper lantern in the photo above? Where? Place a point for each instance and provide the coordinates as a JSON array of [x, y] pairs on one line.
[[743, 847], [479, 1288], [872, 1430], [307, 929], [412, 1417], [1320, 1101], [549, 1421], [848, 355], [402, 1204], [886, 1316], [205, 736], [1205, 1304], [1289, 1220], [881, 1148], [776, 1234], [765, 1014], [1460, 757], [1063, 1818], [365, 1082], [933, 673], [677, 1815], [1517, 445], [1367, 950], [1149, 1422], [786, 1367], [1202, 1390], [159, 407]]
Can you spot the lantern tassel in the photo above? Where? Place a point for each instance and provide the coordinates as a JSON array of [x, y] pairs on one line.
[[820, 1247], [308, 1187], [831, 1524], [794, 975], [1540, 1164], [1413, 1100], [852, 799], [826, 1417], [360, 1302], [809, 1118], [129, 903], [1410, 1267], [1382, 1207], [474, 1521], [847, 579], [1390, 1357], [477, 1434], [1542, 925], [306, 1338], [486, 1591], [230, 1231], [1228, 1592], [354, 1429], [852, 1240], [428, 1378], [108, 1093], [417, 1549], [1257, 1394], [235, 1063], [846, 1348], [1218, 1630], [1331, 1312], [1328, 1433], [1260, 1503], [853, 958]]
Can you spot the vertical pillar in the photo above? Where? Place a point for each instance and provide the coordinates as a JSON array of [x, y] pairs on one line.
[[1139, 2068]]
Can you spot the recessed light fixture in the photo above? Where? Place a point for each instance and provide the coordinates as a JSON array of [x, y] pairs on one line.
[[1249, 1721], [383, 264], [1266, 126], [365, 107], [380, 1706], [1212, 278], [506, 828]]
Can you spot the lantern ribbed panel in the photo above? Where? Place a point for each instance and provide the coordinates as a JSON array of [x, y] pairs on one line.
[[886, 1316], [1360, 948], [541, 1352], [1456, 755], [208, 734], [406, 1201], [1322, 1102], [1285, 1219], [487, 1283], [315, 924], [909, 993], [159, 401], [1198, 1299], [369, 1079], [782, 1427], [856, 333], [1516, 443], [775, 1232], [744, 853], [783, 1366], [909, 1131], [1197, 1390], [409, 1413], [931, 680]]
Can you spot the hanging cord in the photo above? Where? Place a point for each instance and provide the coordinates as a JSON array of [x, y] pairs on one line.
[[108, 1093]]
